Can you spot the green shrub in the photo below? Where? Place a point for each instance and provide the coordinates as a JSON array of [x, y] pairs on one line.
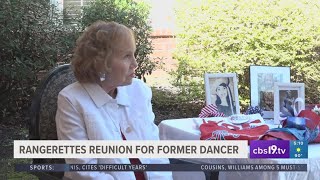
[[228, 36], [132, 14], [167, 105], [33, 38]]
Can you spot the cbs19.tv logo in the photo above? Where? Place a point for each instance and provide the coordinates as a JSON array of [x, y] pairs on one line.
[[270, 149]]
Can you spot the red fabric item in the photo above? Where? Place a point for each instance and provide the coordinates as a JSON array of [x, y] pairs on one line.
[[314, 119], [312, 122], [223, 131], [138, 174], [278, 136]]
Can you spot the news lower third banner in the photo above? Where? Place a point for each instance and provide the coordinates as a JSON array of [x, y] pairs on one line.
[[159, 167], [130, 149]]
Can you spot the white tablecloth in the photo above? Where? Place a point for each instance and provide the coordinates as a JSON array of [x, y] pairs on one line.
[[188, 129]]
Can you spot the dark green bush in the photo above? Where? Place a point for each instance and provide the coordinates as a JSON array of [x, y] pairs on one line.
[[33, 38], [228, 36], [167, 105], [132, 14]]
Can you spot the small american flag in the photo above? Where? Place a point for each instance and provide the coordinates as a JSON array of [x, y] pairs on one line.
[[210, 111]]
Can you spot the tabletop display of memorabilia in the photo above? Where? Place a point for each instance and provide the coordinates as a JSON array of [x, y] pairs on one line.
[[272, 96], [276, 112]]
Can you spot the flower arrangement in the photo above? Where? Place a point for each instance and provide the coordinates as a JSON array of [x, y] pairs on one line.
[[316, 110], [254, 110]]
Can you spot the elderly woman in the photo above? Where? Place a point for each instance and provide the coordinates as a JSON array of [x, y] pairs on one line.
[[107, 102]]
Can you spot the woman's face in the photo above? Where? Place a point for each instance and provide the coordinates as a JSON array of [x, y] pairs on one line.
[[123, 63], [222, 91]]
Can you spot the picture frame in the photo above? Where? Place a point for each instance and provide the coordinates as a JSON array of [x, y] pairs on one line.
[[262, 79], [222, 90], [289, 100]]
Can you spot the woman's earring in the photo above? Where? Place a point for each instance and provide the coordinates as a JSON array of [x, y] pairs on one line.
[[102, 76]]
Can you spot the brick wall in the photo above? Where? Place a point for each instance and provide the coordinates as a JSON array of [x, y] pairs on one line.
[[163, 24], [164, 43]]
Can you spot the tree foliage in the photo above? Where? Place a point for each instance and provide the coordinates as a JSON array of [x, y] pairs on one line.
[[33, 38], [228, 36]]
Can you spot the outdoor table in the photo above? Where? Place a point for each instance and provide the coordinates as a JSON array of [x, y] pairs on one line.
[[188, 129]]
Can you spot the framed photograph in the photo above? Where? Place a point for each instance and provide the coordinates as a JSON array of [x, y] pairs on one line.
[[222, 90], [262, 80], [289, 100]]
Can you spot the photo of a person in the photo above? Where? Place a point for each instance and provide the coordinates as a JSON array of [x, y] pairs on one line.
[[266, 101], [263, 80], [222, 95], [266, 89], [287, 99]]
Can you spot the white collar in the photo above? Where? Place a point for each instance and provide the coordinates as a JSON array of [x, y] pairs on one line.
[[100, 97]]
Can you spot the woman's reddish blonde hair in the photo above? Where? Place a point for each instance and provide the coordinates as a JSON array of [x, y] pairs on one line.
[[95, 47]]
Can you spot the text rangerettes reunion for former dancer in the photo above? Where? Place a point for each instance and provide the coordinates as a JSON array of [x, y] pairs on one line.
[[129, 149]]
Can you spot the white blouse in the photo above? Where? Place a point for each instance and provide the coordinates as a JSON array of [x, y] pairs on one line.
[[86, 112]]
